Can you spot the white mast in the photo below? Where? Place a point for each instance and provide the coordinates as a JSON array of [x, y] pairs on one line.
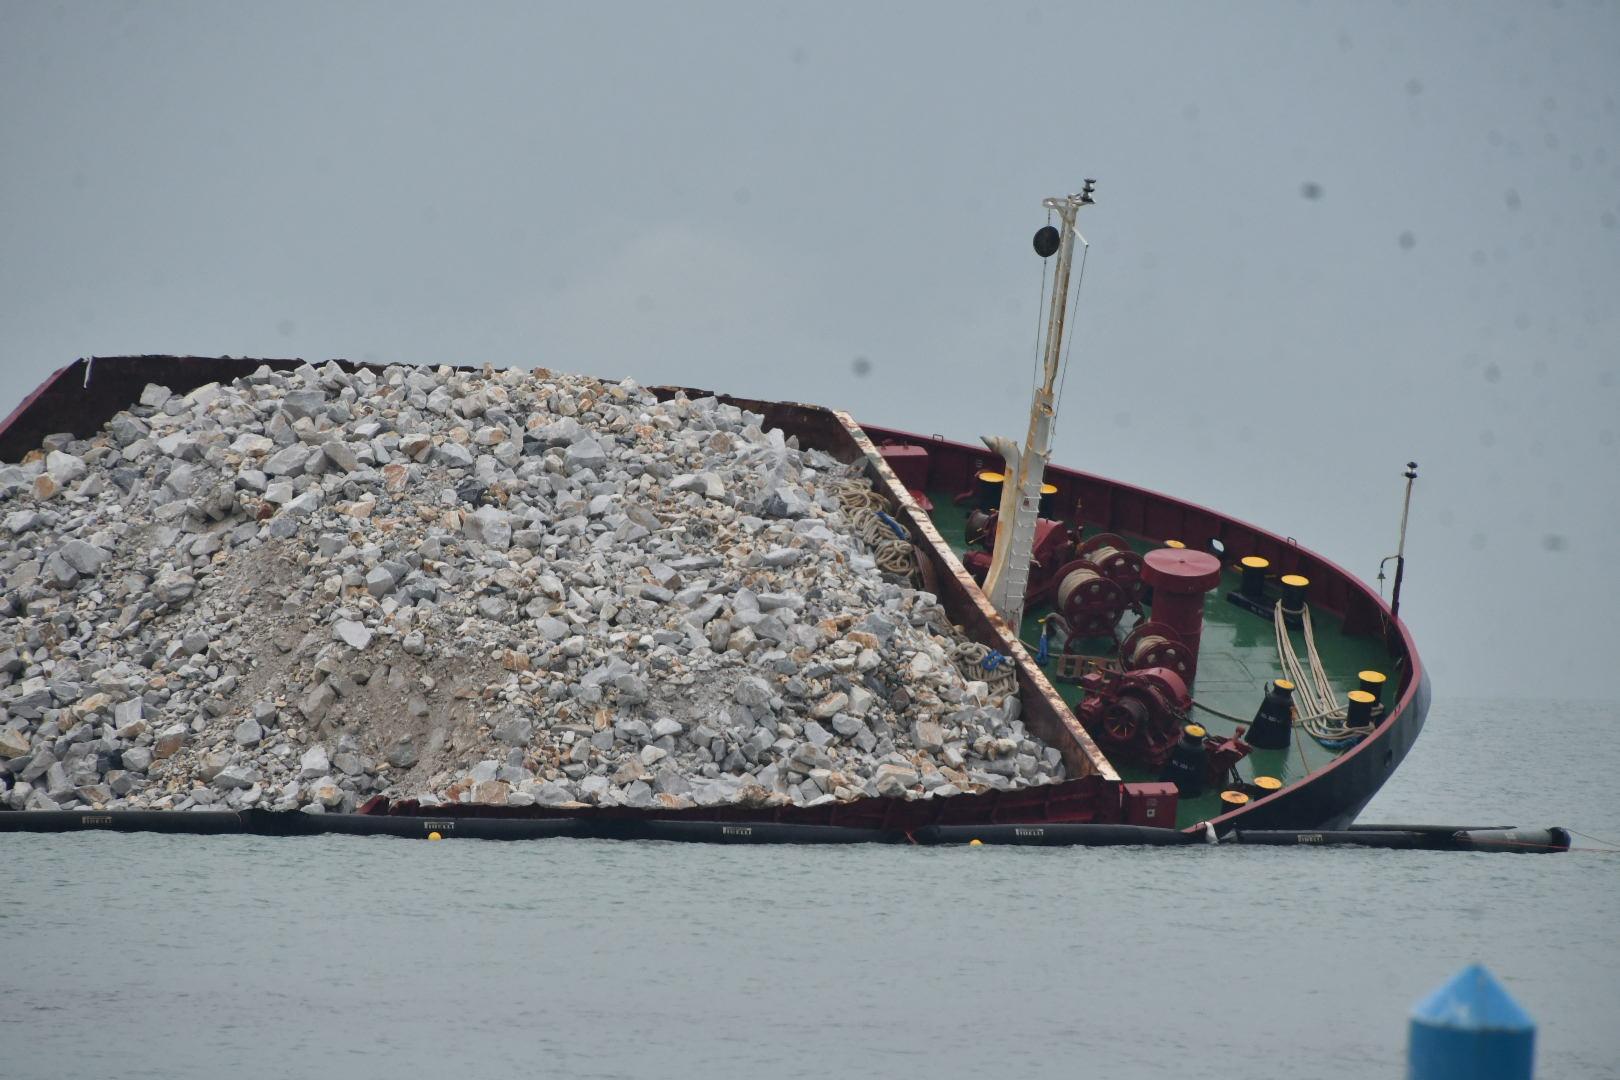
[[1026, 471]]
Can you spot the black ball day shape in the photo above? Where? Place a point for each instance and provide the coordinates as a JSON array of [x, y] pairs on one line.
[[1047, 239]]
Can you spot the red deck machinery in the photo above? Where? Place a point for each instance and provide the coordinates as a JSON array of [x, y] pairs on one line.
[[1179, 577], [1052, 550], [1135, 716]]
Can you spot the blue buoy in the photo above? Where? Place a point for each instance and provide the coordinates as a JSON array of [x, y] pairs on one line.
[[1470, 1028]]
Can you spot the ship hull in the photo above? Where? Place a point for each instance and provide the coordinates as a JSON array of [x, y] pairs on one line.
[[83, 396], [1330, 797], [1334, 798]]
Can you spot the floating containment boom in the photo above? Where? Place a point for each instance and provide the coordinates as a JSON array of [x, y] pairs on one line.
[[465, 823]]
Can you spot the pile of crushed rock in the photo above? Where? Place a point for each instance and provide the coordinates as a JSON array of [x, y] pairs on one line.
[[308, 587]]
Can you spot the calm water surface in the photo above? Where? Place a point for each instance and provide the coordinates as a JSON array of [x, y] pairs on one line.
[[157, 956]]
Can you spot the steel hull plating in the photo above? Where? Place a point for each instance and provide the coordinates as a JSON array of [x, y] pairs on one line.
[[85, 395]]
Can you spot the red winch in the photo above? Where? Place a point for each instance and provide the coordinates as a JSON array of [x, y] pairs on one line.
[[1090, 601], [1154, 644], [1179, 579], [1052, 549], [1113, 557], [1137, 715]]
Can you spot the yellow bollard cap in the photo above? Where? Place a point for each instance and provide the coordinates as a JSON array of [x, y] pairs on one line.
[[1255, 562], [1362, 697], [1283, 684], [992, 477], [1234, 799], [975, 843], [1174, 544], [1195, 730], [1299, 580], [1048, 489], [434, 836], [1372, 676], [1268, 783]]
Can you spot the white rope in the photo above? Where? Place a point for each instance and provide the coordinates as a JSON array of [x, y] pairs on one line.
[[1040, 319], [1299, 721], [970, 657], [1068, 346], [862, 504], [1324, 716], [1326, 719]]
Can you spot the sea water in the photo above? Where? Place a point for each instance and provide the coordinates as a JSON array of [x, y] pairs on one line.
[[224, 957]]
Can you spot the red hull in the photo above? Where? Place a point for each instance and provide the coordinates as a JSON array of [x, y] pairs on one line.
[[85, 395]]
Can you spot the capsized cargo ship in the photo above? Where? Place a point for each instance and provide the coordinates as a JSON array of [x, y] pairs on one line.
[[1196, 672]]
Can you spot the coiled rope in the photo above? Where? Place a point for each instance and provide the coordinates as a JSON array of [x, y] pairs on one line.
[[868, 512], [854, 493], [1144, 645], [980, 663], [1102, 553], [1072, 582]]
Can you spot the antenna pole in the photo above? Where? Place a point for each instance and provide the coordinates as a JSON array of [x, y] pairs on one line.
[[1400, 548]]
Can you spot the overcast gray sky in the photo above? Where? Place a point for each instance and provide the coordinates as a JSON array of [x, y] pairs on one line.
[[1329, 237]]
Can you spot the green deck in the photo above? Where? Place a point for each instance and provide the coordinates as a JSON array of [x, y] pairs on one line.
[[1237, 657]]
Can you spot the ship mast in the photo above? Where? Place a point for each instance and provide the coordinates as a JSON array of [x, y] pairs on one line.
[[1026, 469]]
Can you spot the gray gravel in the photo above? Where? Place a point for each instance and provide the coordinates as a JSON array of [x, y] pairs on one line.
[[305, 588]]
